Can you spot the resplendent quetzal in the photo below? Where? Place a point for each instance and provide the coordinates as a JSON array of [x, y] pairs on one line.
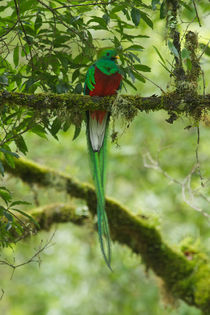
[[103, 78]]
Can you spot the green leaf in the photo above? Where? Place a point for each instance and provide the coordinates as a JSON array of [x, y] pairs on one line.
[[164, 66], [185, 53], [62, 87], [163, 10], [19, 202], [146, 19], [189, 64], [78, 89], [2, 209], [39, 130], [129, 83], [38, 22], [135, 47], [136, 16], [205, 48], [98, 20], [75, 75], [76, 132], [3, 79], [154, 4], [139, 77], [29, 83], [131, 74], [117, 43], [5, 194], [143, 68], [8, 152], [9, 156], [185, 5], [16, 56], [28, 216], [159, 54], [56, 126], [21, 145], [133, 57], [8, 216], [106, 17], [66, 125], [1, 169], [173, 49]]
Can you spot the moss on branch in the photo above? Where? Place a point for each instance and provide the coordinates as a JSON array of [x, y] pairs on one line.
[[186, 279], [56, 213], [178, 103]]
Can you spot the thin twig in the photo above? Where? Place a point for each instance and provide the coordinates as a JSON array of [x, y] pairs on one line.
[[58, 17], [206, 46], [34, 258], [23, 29], [149, 162], [86, 4], [9, 30], [196, 12], [153, 83]]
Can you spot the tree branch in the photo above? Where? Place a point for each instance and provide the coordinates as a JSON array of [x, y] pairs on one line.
[[173, 102], [187, 279]]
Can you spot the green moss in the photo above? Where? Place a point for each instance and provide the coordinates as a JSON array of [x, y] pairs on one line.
[[72, 107]]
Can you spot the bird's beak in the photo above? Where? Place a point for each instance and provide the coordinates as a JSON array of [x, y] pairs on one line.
[[117, 57]]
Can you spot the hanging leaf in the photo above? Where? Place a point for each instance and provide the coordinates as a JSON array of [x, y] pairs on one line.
[[76, 132], [38, 22], [16, 56], [56, 126], [136, 16], [5, 194], [21, 145], [146, 19], [163, 10], [39, 130], [173, 49]]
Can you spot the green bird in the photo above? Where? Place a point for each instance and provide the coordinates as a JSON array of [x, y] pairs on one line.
[[103, 78]]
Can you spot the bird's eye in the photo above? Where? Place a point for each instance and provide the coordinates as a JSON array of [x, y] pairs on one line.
[[107, 54]]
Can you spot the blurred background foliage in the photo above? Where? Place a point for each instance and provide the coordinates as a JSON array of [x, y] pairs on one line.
[[72, 277]]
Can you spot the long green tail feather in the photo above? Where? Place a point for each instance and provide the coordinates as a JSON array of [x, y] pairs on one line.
[[98, 166]]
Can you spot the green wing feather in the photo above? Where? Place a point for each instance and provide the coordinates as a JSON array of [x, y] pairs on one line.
[[90, 79]]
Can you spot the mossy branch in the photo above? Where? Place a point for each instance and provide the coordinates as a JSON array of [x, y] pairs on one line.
[[186, 279], [178, 103], [47, 215]]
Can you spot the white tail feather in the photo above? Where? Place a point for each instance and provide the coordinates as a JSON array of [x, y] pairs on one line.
[[97, 132]]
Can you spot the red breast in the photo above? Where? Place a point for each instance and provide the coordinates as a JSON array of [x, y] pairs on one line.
[[106, 84]]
